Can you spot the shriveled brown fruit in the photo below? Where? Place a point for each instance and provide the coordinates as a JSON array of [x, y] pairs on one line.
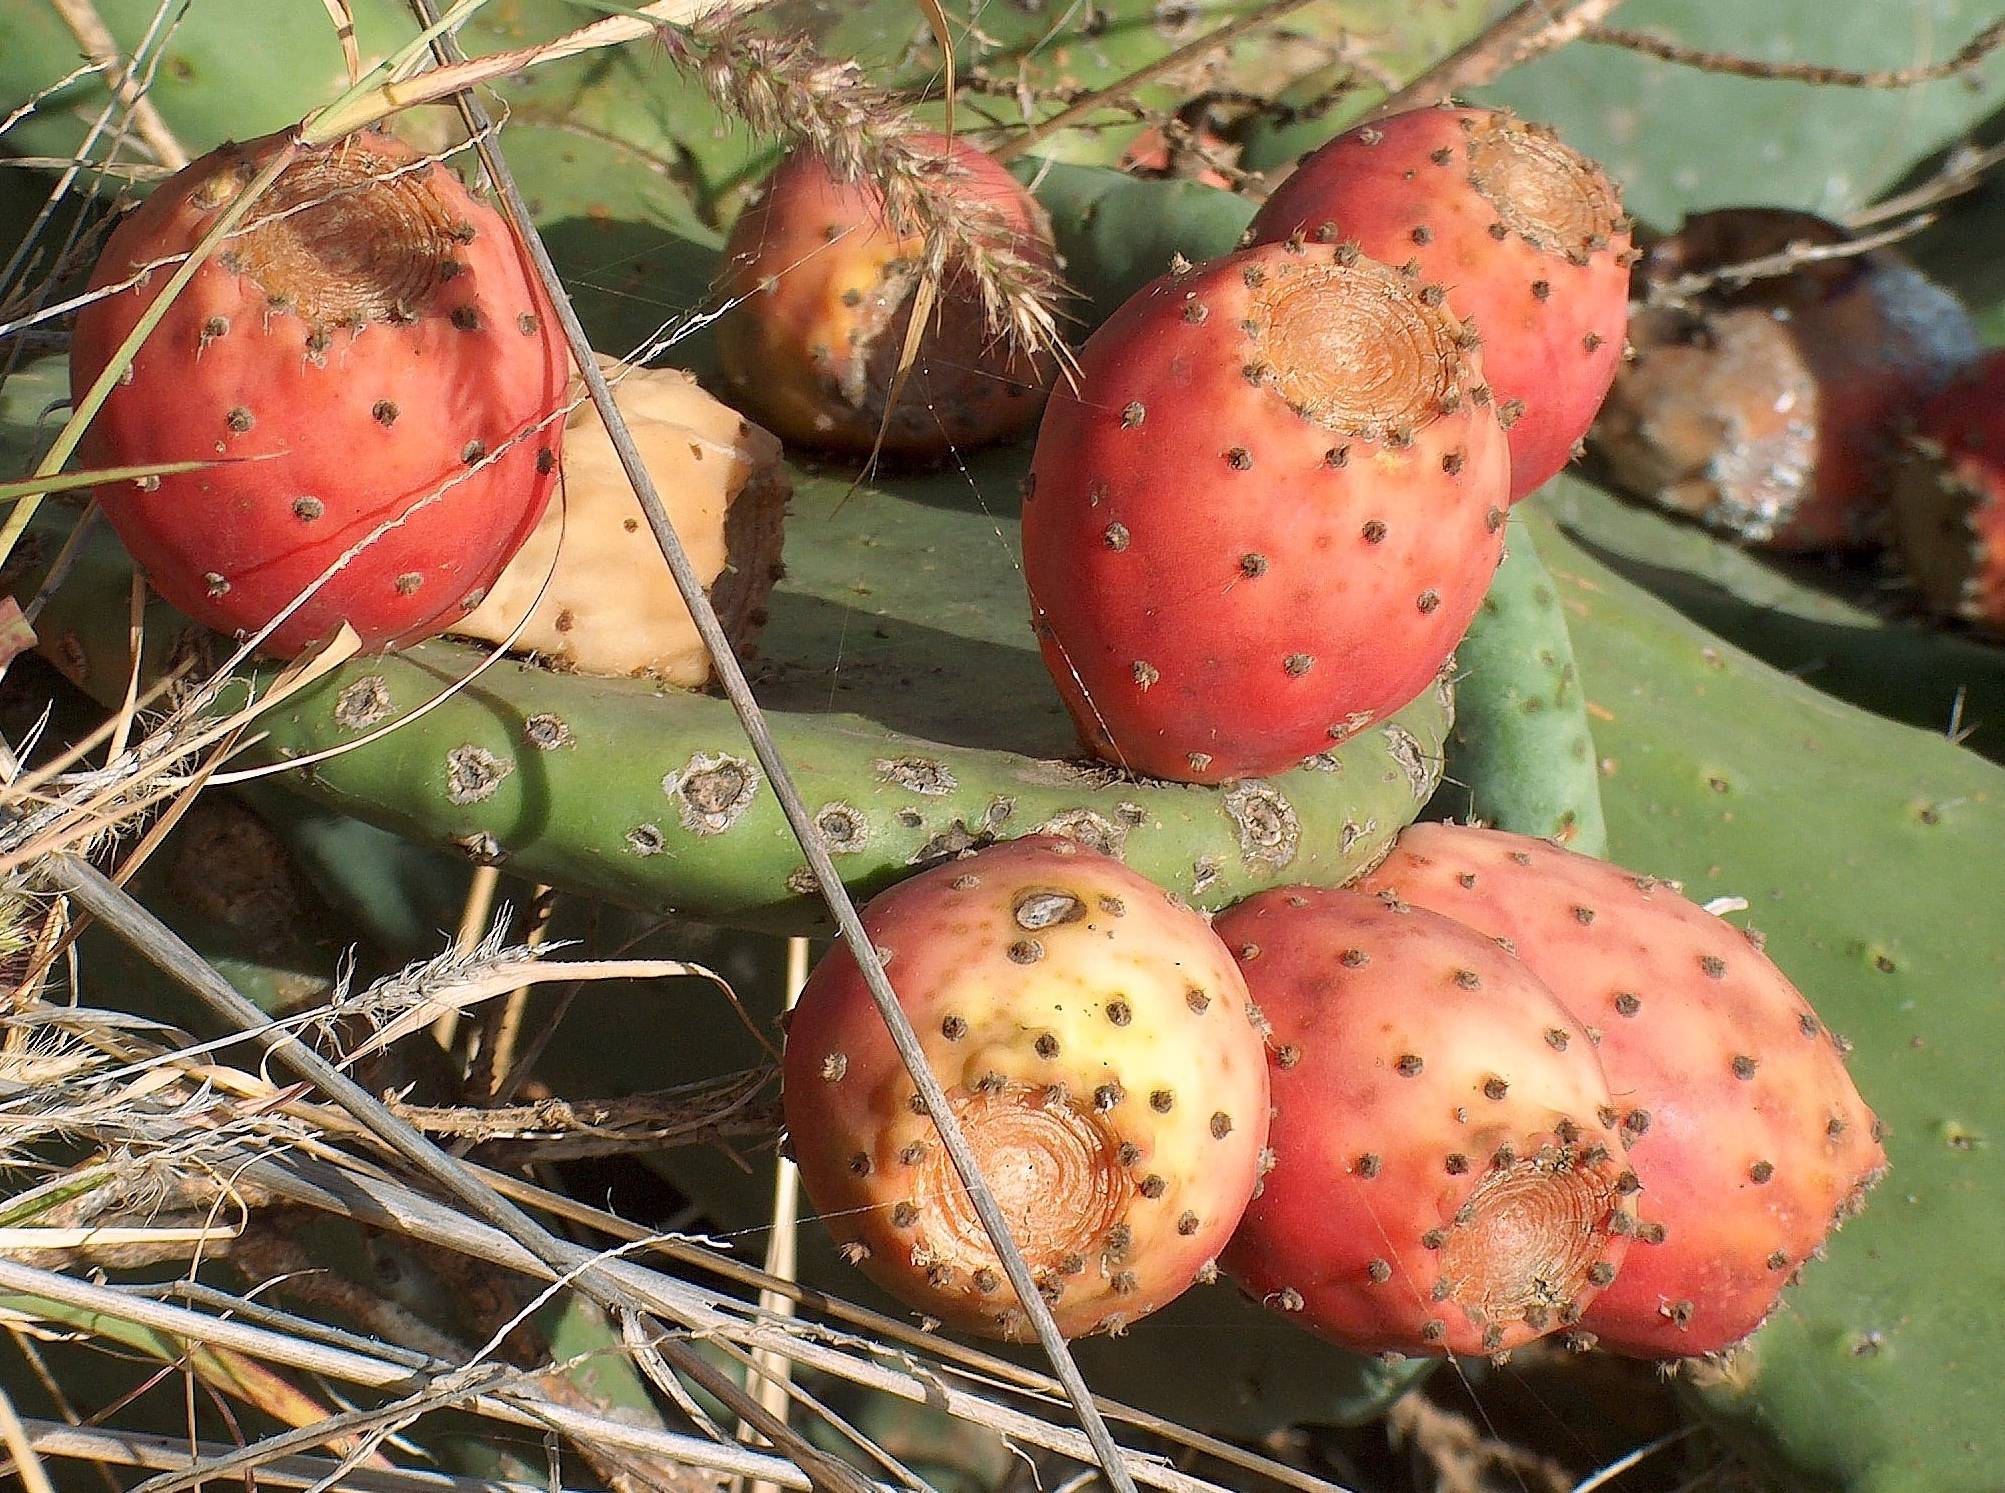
[[1768, 407], [823, 286], [1949, 499], [611, 607]]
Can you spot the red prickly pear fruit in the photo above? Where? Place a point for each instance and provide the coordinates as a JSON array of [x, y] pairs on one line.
[[1098, 1048], [823, 285], [377, 339], [1736, 1107], [1949, 499], [1265, 515], [1527, 234], [1447, 1177], [1769, 408]]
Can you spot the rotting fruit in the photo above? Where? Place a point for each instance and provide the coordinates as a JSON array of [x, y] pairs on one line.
[[1768, 407], [1949, 499], [823, 287]]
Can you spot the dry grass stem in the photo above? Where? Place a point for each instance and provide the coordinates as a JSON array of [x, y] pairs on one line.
[[1525, 31], [88, 27], [1784, 261], [1967, 56]]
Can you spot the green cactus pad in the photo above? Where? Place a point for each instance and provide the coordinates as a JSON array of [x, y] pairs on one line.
[[1521, 756], [1680, 140], [1869, 853], [904, 692], [1117, 233], [1838, 627]]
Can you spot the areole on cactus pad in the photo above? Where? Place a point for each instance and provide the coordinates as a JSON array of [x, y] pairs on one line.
[[370, 358]]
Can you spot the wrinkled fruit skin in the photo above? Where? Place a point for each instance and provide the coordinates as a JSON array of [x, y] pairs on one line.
[[826, 286], [1447, 1176], [1097, 1045], [1527, 235], [1769, 409], [588, 589], [1949, 499], [1748, 1134], [1266, 514], [387, 344]]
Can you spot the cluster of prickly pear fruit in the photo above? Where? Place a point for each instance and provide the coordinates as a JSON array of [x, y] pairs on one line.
[[824, 287], [370, 357], [1527, 235], [1732, 1102], [1099, 1051], [1514, 1091], [1769, 407], [1448, 1173], [1268, 509]]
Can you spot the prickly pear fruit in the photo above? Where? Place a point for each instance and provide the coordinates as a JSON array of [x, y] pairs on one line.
[[377, 340], [824, 282], [1447, 1175], [1736, 1106], [1949, 499], [1098, 1048], [1767, 408], [1527, 234], [1266, 513]]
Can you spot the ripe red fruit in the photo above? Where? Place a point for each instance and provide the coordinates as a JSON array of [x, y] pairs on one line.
[[1447, 1178], [378, 337], [1740, 1117], [1949, 499], [825, 288], [1266, 514], [1769, 408], [1097, 1046], [1527, 235]]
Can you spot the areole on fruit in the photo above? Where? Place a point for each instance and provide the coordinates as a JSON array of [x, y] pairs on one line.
[[1542, 191], [339, 241], [1349, 345], [1529, 1237], [1052, 1165]]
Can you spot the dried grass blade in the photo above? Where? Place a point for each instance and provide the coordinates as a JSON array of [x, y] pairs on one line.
[[502, 978], [342, 14]]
